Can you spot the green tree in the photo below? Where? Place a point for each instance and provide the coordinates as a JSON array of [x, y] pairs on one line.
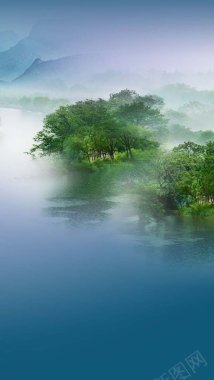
[[207, 173], [90, 130]]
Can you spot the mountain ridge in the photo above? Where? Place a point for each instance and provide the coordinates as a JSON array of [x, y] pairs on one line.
[[69, 70]]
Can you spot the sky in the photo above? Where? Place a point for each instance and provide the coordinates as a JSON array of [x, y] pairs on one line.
[[170, 35]]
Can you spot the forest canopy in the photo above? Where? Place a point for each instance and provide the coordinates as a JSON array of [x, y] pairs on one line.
[[102, 129]]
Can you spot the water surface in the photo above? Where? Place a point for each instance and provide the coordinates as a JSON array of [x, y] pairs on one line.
[[89, 289]]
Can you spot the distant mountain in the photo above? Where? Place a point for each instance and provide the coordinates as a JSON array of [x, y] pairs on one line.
[[48, 40], [8, 38], [65, 71], [15, 60]]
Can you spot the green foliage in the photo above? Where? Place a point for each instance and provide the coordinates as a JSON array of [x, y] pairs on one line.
[[183, 178], [100, 130], [201, 210], [139, 113], [122, 98], [122, 132]]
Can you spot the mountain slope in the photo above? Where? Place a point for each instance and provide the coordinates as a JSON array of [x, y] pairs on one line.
[[49, 40], [67, 70]]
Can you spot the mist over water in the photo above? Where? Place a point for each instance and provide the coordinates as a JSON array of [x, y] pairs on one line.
[[88, 289]]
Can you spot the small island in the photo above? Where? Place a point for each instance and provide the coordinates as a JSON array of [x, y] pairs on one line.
[[132, 131]]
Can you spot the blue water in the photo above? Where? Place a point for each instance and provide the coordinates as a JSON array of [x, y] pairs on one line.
[[88, 289]]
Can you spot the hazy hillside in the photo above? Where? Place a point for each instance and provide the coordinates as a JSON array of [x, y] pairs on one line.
[[60, 72], [50, 40], [178, 94], [47, 40]]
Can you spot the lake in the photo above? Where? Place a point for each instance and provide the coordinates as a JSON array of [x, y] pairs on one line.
[[88, 288]]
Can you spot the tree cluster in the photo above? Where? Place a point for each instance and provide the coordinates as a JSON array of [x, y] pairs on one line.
[[101, 129], [185, 175]]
